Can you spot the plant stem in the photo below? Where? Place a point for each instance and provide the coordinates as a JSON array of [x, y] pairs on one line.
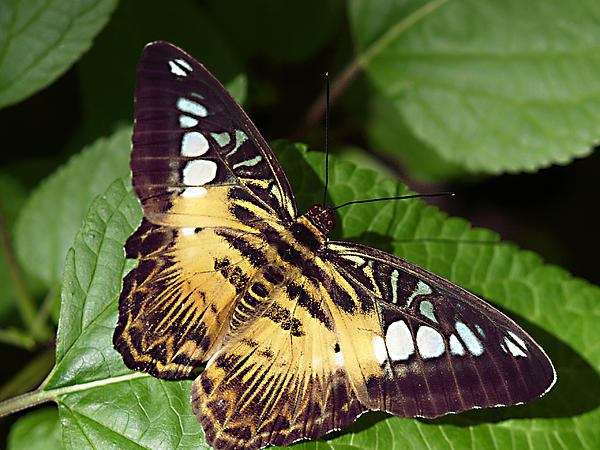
[[42, 395], [20, 402], [353, 69], [25, 302]]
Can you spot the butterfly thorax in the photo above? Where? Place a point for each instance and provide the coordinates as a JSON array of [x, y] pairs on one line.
[[290, 259], [321, 217]]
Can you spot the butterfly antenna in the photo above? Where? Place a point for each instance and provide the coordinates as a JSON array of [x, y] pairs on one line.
[[326, 140], [402, 197]]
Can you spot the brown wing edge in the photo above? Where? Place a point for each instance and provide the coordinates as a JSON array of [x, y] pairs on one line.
[[129, 335], [326, 412]]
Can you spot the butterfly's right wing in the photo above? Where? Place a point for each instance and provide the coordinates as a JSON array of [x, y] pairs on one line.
[[415, 344], [205, 177]]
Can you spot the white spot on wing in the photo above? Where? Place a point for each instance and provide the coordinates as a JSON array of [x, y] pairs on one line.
[[184, 63], [187, 121], [193, 144], [199, 172], [480, 330], [339, 358], [430, 342], [187, 231], [426, 308], [394, 283], [251, 162], [513, 349], [240, 138], [379, 349], [176, 70], [421, 289], [519, 341], [469, 338], [191, 107], [194, 192], [399, 341], [456, 348], [222, 138]]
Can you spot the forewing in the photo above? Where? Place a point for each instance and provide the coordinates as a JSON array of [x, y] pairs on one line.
[[281, 381], [417, 345], [205, 177], [194, 147]]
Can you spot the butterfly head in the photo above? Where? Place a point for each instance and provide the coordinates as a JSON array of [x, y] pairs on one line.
[[322, 217]]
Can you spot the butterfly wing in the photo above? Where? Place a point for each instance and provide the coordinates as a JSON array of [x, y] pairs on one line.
[[190, 137], [341, 328], [417, 345], [281, 381], [358, 329], [204, 176]]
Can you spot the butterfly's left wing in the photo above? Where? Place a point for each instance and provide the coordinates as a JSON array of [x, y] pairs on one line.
[[205, 177], [414, 344], [193, 142]]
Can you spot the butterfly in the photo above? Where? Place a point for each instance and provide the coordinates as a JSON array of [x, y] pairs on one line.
[[299, 334]]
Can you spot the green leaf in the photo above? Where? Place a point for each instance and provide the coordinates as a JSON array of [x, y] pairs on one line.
[[389, 135], [359, 157], [38, 430], [238, 88], [102, 404], [53, 213], [40, 39], [94, 268], [492, 86]]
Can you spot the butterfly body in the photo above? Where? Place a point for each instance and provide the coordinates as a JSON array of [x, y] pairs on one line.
[[299, 334]]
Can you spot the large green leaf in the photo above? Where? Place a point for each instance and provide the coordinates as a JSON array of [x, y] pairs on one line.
[[53, 213], [104, 405], [40, 39], [500, 85], [39, 430], [389, 135]]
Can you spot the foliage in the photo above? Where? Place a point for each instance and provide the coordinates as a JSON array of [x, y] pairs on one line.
[[451, 90]]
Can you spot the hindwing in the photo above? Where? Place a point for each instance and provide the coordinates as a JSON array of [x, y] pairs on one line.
[[281, 381]]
